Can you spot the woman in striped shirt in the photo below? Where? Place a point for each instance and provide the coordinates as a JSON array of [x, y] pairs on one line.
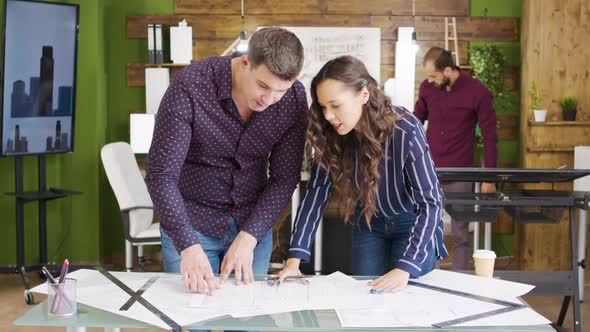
[[376, 156]]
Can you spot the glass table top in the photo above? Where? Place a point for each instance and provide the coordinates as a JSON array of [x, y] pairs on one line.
[[305, 320]]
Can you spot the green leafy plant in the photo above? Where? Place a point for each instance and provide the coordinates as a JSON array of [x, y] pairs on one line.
[[536, 95], [488, 62], [507, 102], [569, 102]]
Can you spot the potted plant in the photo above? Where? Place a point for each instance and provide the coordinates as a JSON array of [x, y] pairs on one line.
[[536, 95], [569, 104]]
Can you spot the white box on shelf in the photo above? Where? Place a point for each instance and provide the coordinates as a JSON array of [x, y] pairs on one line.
[[156, 83], [181, 43], [141, 130]]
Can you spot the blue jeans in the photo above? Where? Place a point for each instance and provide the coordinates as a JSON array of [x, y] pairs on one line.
[[215, 249], [377, 251]]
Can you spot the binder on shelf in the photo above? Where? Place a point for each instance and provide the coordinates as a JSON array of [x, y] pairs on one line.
[[151, 36], [158, 44]]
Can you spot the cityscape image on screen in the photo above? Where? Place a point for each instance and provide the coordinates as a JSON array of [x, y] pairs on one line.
[[39, 77]]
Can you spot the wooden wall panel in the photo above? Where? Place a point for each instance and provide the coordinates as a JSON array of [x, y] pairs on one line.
[[442, 8], [204, 48], [504, 225], [554, 52], [374, 7], [428, 28], [207, 7], [558, 137], [507, 126], [135, 74], [468, 28], [318, 7], [388, 50], [214, 33]]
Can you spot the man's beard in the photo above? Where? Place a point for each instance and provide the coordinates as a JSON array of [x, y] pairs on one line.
[[446, 82]]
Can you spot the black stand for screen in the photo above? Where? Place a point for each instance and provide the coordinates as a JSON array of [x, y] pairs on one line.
[[42, 195]]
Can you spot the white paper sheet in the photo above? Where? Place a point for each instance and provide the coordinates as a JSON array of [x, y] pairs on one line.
[[167, 294], [490, 287], [416, 306], [355, 306]]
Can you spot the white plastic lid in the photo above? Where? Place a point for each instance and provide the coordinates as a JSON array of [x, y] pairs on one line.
[[182, 23], [481, 253]]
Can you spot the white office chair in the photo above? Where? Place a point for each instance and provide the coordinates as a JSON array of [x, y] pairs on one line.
[[137, 209], [582, 161]]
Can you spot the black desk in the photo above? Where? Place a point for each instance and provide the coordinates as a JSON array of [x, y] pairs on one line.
[[533, 206]]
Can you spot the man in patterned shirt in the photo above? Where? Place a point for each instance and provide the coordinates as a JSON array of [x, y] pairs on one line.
[[225, 158]]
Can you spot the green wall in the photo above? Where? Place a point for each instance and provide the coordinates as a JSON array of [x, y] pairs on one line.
[[121, 99], [496, 8]]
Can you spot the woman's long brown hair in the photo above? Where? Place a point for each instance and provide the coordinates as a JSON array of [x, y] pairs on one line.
[[337, 153]]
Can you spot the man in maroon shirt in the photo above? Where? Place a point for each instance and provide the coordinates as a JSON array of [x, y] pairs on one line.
[[454, 103], [225, 158]]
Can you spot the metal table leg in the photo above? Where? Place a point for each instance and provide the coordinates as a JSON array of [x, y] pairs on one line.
[[582, 224], [577, 323], [317, 263], [295, 198]]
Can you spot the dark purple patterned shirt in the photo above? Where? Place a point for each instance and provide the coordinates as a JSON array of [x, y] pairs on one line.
[[205, 165]]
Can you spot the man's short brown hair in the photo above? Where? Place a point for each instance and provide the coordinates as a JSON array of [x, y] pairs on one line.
[[279, 49], [441, 58]]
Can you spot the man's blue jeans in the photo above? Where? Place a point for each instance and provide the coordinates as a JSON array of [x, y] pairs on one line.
[[215, 249], [377, 251]]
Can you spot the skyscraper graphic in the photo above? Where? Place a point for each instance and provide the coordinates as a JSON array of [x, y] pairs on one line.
[[10, 146], [65, 144], [24, 144], [34, 92], [58, 135], [49, 143], [46, 82], [17, 99], [21, 104], [17, 142], [64, 101]]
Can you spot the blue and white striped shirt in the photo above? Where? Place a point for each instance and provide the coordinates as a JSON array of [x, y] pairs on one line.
[[408, 184]]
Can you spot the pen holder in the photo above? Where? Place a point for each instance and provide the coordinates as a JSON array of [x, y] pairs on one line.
[[61, 298]]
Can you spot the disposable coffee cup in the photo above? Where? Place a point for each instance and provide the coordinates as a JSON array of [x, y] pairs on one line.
[[484, 262]]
